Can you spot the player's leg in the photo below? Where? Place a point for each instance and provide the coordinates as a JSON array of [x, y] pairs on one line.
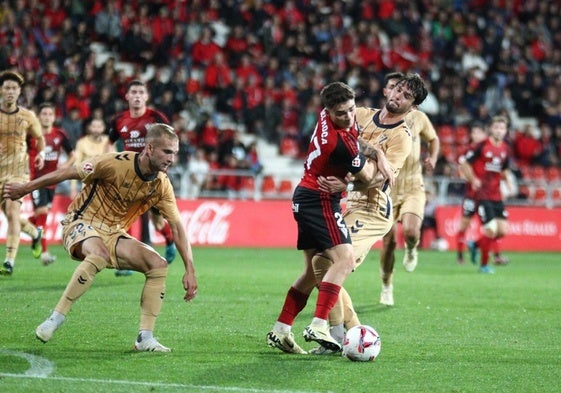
[[461, 238], [132, 254], [42, 199], [387, 262], [296, 298], [489, 223], [12, 212], [502, 229], [163, 227], [412, 212], [95, 257]]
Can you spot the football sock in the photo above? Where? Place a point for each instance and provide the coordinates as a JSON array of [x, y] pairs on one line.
[[28, 228], [80, 282], [321, 265], [146, 334], [461, 242], [152, 297], [166, 233], [41, 221], [349, 314], [484, 244], [495, 247], [12, 244], [294, 302], [327, 297], [337, 332]]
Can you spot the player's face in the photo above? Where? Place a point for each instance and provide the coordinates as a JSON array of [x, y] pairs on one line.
[[97, 127], [343, 115], [137, 96], [10, 91], [162, 153], [477, 134], [389, 86], [498, 130], [47, 118], [400, 99]]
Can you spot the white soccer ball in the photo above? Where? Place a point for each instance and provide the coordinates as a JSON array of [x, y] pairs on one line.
[[362, 344]]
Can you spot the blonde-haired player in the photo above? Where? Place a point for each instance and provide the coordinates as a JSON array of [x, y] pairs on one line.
[[118, 188], [16, 123]]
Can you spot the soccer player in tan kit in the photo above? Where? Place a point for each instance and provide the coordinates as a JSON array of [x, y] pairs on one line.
[[369, 212], [408, 195], [16, 123], [118, 188]]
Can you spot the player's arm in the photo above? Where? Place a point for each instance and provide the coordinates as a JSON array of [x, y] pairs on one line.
[[36, 132], [16, 191], [183, 245], [375, 153], [467, 172], [432, 158]]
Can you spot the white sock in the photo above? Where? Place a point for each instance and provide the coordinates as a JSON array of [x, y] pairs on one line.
[[282, 327], [319, 322], [337, 332], [57, 317], [146, 334]]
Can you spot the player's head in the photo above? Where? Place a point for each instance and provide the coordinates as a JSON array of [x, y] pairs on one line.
[[162, 146], [137, 94], [339, 101], [408, 91], [47, 115], [498, 127], [390, 80], [477, 132], [10, 86], [95, 126]]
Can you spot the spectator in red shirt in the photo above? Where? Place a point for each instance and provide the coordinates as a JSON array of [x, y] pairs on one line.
[[526, 146]]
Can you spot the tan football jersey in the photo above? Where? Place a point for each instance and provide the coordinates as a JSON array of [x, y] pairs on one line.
[[411, 174], [114, 194], [14, 128], [394, 140], [87, 147]]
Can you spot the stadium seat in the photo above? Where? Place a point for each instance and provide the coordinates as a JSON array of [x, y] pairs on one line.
[[462, 135], [553, 174], [556, 196], [285, 188], [537, 172], [524, 191], [539, 194], [248, 183], [446, 133], [268, 187], [289, 147]]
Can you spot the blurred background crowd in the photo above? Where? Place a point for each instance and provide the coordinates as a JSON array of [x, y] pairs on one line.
[[223, 71]]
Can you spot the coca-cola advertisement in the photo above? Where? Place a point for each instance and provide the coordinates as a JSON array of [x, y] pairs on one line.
[[269, 223]]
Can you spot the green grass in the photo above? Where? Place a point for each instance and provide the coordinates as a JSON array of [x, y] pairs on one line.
[[452, 329]]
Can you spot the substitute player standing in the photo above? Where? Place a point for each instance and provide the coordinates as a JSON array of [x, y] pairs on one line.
[[118, 188]]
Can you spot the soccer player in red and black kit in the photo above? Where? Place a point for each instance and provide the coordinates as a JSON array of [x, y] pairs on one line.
[[333, 151], [484, 167], [56, 141], [130, 128]]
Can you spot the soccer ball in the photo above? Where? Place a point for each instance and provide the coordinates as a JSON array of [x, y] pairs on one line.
[[362, 343]]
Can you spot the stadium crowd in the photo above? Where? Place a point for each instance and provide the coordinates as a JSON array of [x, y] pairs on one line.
[[256, 64]]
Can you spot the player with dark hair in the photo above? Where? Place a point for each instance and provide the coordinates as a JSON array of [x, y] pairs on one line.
[[484, 167], [118, 188], [56, 141], [333, 151], [408, 195], [469, 207], [369, 211], [129, 128], [16, 124]]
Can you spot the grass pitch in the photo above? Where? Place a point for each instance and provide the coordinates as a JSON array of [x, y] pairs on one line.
[[451, 330]]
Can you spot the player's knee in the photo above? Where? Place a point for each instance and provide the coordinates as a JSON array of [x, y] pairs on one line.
[[491, 228]]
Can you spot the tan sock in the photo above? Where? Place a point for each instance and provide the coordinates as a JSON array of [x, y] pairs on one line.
[[152, 297], [349, 313], [80, 282], [12, 244], [28, 228]]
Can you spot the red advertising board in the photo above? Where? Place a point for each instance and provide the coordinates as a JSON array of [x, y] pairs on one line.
[[219, 222]]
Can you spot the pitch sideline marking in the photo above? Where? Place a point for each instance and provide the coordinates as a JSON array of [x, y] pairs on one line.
[[41, 368]]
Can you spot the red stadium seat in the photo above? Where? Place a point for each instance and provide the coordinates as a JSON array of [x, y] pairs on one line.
[[540, 194], [537, 172], [553, 174], [462, 135], [268, 187], [446, 134], [289, 147], [285, 188]]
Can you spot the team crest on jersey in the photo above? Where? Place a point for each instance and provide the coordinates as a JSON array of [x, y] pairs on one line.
[[87, 167], [134, 134], [356, 161]]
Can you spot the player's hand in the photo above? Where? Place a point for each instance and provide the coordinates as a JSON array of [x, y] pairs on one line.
[[385, 169], [429, 164], [190, 286], [13, 191], [39, 162], [331, 184]]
